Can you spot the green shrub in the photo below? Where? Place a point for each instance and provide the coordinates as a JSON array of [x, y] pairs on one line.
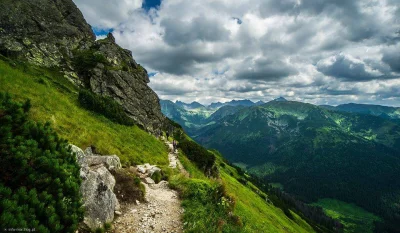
[[136, 180], [207, 206], [107, 226], [39, 176], [203, 159], [156, 177], [126, 187], [104, 106], [100, 230], [86, 60]]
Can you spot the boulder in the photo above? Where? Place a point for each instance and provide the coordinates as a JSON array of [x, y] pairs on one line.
[[148, 180], [89, 151], [141, 169], [151, 171], [98, 198], [107, 160], [97, 187], [80, 155]]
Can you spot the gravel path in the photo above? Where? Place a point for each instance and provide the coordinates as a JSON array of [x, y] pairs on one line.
[[161, 213]]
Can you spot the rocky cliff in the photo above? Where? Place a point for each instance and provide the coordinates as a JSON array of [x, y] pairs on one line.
[[53, 33]]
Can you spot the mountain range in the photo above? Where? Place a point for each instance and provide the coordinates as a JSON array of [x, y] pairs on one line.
[[349, 152]]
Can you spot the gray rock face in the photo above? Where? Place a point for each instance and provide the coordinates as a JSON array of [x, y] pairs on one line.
[[122, 79], [148, 169], [53, 33], [97, 187], [42, 31]]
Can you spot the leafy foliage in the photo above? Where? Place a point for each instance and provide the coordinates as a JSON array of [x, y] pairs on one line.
[[39, 177], [85, 60], [200, 156], [156, 177], [104, 106], [207, 206]]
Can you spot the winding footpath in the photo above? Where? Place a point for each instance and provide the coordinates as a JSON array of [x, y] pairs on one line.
[[162, 211]]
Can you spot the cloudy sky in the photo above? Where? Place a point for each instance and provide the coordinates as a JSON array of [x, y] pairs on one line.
[[316, 51]]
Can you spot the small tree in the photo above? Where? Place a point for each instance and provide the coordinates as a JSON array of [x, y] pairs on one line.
[[39, 176]]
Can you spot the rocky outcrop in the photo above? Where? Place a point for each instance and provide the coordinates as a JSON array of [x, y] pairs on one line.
[[53, 33], [42, 31], [97, 187], [122, 79]]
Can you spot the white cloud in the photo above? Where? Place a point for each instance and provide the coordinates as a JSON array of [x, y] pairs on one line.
[[301, 49], [108, 13]]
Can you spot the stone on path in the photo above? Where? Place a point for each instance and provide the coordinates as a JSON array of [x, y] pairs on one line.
[[148, 180]]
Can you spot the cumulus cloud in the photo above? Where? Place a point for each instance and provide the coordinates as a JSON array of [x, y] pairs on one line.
[[108, 14], [391, 56], [347, 68], [264, 69], [198, 29], [216, 50]]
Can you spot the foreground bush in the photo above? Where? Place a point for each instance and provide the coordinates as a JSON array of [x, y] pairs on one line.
[[207, 206], [203, 159], [104, 106], [39, 177], [87, 59]]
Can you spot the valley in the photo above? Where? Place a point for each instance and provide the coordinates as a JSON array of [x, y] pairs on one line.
[[311, 151]]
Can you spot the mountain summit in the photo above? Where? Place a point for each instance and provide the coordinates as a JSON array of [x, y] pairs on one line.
[[280, 99]]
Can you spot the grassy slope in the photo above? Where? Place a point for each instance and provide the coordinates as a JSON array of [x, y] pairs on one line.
[[54, 99], [354, 218], [256, 214]]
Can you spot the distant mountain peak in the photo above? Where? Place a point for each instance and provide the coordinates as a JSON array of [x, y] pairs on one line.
[[192, 105], [280, 99], [260, 102]]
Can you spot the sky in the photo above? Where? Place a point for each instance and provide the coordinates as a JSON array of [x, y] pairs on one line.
[[315, 51]]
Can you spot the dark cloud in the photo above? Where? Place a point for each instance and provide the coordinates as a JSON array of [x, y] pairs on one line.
[[392, 58], [358, 25], [178, 32], [265, 69], [336, 92], [348, 70], [183, 60]]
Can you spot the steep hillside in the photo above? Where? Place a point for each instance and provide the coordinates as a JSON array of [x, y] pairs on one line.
[[55, 99], [54, 34], [314, 152], [223, 112]]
